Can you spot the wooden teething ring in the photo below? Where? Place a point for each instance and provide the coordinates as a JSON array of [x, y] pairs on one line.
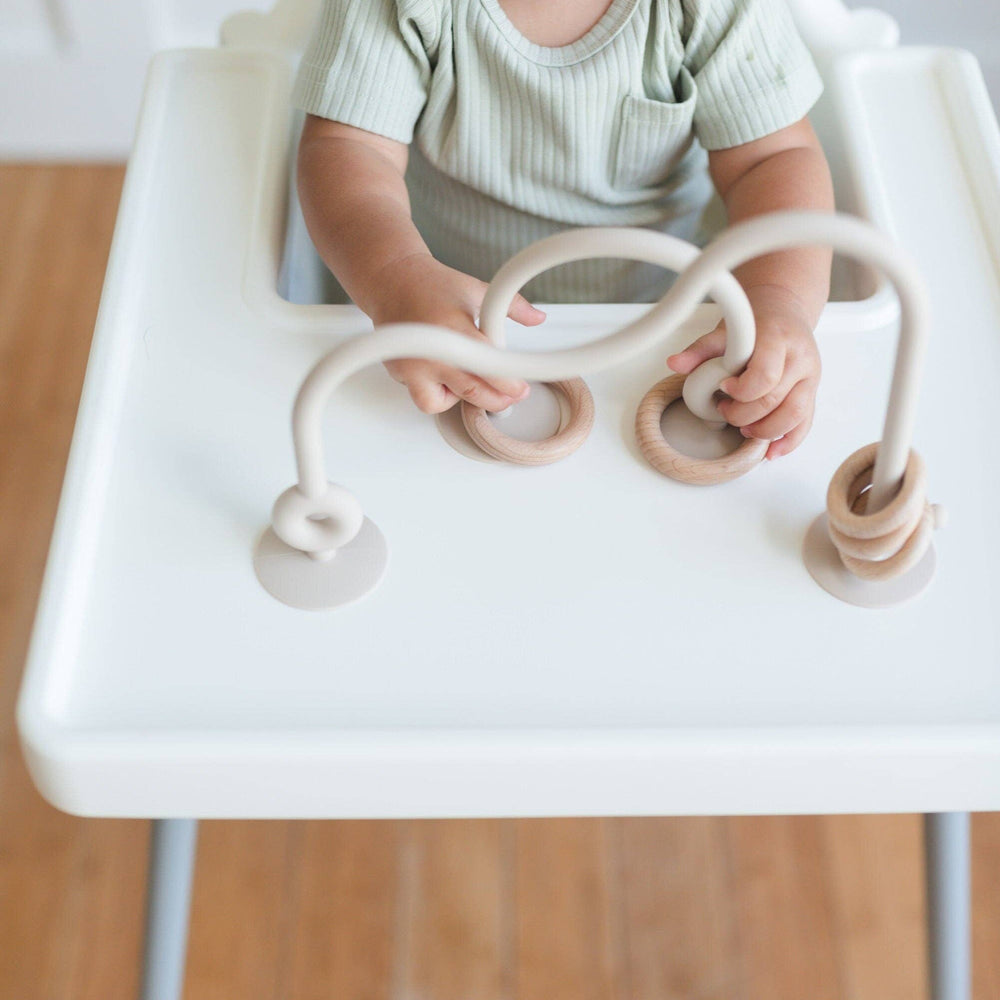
[[891, 541], [571, 434], [670, 462]]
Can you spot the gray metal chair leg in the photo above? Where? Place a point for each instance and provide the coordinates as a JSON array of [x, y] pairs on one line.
[[949, 905], [173, 844]]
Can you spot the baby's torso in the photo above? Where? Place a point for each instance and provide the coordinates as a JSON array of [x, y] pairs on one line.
[[519, 139]]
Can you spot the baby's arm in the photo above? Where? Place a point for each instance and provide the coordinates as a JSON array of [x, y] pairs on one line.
[[357, 210], [775, 397]]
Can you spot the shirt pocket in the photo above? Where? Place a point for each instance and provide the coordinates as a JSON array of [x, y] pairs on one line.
[[653, 138]]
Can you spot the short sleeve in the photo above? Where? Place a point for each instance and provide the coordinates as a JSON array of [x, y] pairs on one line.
[[368, 64], [752, 72]]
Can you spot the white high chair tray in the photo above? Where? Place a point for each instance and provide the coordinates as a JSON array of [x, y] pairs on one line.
[[586, 638]]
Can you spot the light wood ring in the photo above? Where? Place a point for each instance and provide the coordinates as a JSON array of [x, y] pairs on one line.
[[684, 468], [571, 434], [903, 561], [845, 502], [892, 540]]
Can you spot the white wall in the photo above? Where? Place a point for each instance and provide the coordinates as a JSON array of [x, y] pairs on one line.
[[71, 71]]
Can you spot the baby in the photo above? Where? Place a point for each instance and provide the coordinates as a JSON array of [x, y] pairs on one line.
[[442, 136]]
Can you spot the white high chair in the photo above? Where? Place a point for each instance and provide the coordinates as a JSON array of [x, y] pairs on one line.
[[164, 682]]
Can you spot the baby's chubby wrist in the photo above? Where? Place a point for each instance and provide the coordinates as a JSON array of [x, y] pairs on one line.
[[784, 321], [783, 306], [389, 285]]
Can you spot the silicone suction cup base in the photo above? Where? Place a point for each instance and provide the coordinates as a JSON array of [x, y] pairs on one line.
[[536, 418], [452, 429], [301, 582], [823, 562]]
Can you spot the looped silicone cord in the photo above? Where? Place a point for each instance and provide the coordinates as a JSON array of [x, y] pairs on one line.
[[708, 273], [319, 525], [649, 247]]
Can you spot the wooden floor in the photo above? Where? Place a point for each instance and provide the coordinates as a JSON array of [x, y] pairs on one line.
[[617, 909]]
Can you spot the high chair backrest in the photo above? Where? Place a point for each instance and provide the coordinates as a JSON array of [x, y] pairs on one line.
[[826, 25]]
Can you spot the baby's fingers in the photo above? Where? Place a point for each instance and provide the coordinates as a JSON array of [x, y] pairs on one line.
[[762, 374], [431, 397], [712, 345], [796, 407], [479, 392], [523, 312], [513, 388], [791, 441]]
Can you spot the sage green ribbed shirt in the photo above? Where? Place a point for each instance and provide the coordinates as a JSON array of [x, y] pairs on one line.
[[512, 141]]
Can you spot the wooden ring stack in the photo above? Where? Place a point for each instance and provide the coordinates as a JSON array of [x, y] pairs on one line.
[[670, 462], [891, 541], [571, 434]]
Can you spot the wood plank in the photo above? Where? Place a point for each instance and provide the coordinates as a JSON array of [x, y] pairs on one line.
[[564, 937], [240, 909], [37, 866], [877, 894], [343, 923], [986, 906], [107, 907], [783, 906], [459, 919], [681, 926]]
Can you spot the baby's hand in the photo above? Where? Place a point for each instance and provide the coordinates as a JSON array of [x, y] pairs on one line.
[[774, 398], [420, 289]]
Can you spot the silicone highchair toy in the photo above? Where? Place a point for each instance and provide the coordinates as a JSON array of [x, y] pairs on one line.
[[322, 552]]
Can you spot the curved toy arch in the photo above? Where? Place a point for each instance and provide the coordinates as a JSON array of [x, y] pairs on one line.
[[649, 247]]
